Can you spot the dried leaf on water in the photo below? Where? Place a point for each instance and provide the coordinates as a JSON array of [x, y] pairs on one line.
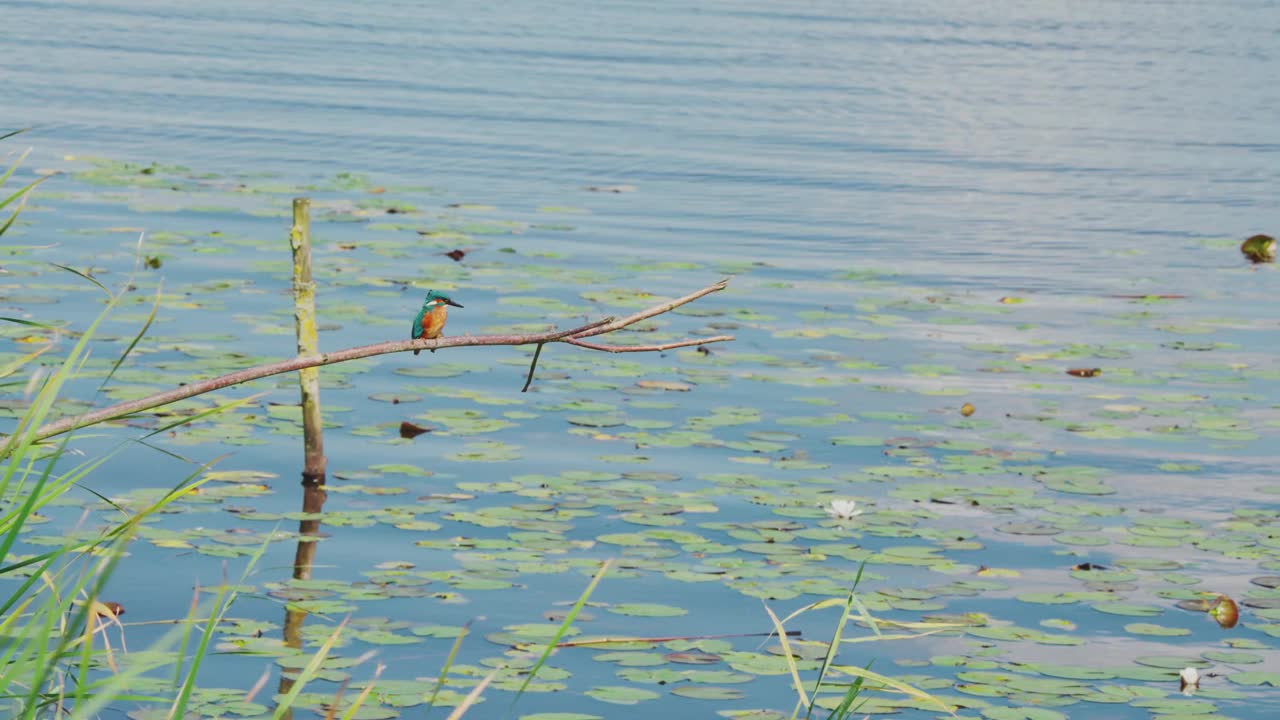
[[1085, 372], [1225, 611], [409, 431]]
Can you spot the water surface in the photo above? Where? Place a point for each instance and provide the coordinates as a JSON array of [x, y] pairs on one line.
[[926, 204]]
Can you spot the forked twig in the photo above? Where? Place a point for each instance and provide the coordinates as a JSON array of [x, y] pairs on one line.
[[532, 365], [646, 348], [655, 310]]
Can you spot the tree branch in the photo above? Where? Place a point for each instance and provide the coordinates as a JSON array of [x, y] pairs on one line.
[[599, 327], [655, 310], [646, 348]]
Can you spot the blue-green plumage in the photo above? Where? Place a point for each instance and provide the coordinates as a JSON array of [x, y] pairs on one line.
[[431, 318]]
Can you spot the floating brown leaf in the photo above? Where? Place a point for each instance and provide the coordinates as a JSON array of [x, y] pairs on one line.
[[1085, 372], [108, 609], [409, 431], [1225, 611]]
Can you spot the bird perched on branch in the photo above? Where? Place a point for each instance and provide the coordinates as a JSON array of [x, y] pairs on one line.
[[431, 318]]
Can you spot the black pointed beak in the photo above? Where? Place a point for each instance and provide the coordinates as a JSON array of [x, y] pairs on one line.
[[450, 302]]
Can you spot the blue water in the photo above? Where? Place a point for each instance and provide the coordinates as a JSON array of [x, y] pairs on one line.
[[1058, 151], [1009, 135]]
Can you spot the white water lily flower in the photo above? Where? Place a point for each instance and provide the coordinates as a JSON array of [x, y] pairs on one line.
[[1190, 678], [843, 509]]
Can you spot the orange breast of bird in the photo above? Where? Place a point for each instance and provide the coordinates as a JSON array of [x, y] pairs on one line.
[[433, 323]]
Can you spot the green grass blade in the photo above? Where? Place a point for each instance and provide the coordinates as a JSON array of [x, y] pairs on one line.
[[22, 438], [229, 405], [32, 323], [17, 364], [790, 659], [151, 317], [85, 276], [222, 601], [834, 646], [185, 639], [898, 685], [846, 707], [309, 671], [472, 696], [16, 163], [448, 663], [364, 694], [22, 513], [21, 591], [564, 626], [22, 191]]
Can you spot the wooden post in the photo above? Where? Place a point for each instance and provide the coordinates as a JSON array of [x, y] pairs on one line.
[[313, 472], [304, 313]]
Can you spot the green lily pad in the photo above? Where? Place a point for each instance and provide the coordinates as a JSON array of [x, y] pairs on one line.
[[648, 610], [1254, 678], [1022, 714], [1155, 630], [708, 692], [621, 695]]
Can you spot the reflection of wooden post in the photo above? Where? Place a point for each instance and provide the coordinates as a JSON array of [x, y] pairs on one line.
[[304, 313], [304, 557]]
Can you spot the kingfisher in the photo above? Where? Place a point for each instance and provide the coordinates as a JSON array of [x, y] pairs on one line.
[[432, 316]]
